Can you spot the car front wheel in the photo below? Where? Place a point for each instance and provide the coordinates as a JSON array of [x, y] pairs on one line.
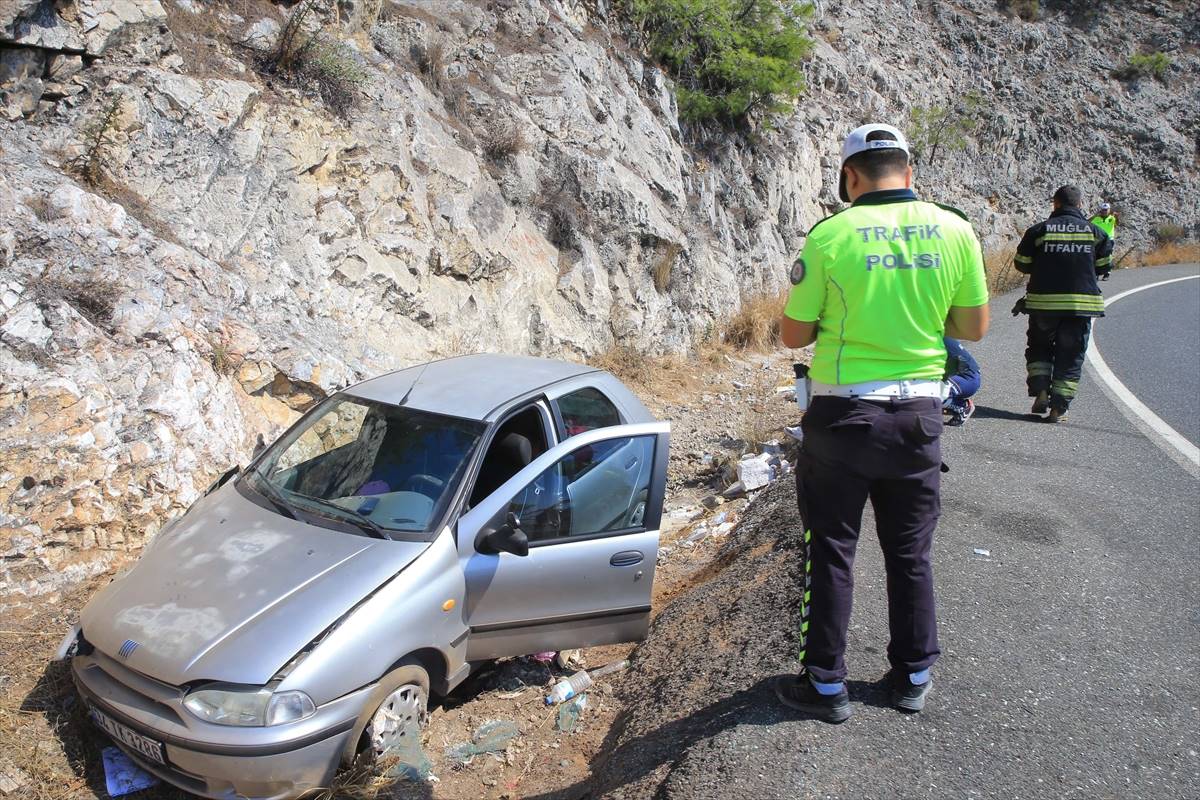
[[398, 720], [394, 727]]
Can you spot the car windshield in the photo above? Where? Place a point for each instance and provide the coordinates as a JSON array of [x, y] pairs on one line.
[[369, 464]]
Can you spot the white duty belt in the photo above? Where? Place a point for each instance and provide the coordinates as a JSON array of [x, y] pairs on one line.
[[881, 390]]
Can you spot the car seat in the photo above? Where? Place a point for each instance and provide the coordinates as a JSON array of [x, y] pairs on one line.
[[506, 457]]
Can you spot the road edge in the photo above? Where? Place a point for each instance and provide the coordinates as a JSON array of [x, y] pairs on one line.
[[1169, 440]]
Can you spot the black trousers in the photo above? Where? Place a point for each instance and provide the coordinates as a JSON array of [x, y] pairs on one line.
[[1056, 347], [889, 452]]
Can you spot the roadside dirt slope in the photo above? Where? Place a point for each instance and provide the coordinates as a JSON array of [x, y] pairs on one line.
[[707, 663]]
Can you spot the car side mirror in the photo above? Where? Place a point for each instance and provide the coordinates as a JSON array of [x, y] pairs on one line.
[[508, 538]]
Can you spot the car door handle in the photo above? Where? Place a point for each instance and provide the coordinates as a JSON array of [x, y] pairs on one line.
[[626, 558]]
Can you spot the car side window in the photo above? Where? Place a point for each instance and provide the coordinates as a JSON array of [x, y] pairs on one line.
[[586, 410], [598, 488]]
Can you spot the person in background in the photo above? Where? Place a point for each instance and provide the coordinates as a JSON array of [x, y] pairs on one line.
[[1105, 220], [1063, 256], [963, 379]]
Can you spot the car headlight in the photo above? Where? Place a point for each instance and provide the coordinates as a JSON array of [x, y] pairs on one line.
[[248, 706]]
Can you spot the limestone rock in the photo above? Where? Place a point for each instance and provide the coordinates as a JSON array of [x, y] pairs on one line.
[[249, 253]]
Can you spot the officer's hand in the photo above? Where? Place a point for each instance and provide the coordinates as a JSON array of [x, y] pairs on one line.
[[1019, 307]]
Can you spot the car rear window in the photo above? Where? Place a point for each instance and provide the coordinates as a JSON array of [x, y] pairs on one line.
[[585, 410]]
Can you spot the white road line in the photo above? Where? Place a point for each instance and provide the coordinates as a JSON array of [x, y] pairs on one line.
[[1170, 437]]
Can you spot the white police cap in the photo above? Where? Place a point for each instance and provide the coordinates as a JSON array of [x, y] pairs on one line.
[[857, 143]]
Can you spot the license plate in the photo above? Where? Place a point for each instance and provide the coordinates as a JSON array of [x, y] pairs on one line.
[[142, 745]]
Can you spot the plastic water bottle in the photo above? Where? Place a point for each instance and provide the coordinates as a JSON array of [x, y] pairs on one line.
[[569, 687]]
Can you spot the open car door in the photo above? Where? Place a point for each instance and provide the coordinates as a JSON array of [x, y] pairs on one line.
[[563, 554]]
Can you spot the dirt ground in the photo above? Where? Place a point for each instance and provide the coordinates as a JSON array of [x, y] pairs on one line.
[[49, 751]]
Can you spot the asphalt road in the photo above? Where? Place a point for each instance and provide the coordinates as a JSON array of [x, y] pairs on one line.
[[1151, 340], [1067, 564]]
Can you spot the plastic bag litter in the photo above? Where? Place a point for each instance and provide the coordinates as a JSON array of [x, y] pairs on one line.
[[544, 657], [122, 776], [570, 712], [492, 736], [411, 762]]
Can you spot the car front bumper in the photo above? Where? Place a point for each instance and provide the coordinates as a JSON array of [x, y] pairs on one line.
[[216, 761]]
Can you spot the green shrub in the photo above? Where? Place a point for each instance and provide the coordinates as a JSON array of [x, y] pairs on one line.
[[1145, 65], [937, 127], [331, 67], [728, 58], [99, 137], [317, 62], [1170, 233]]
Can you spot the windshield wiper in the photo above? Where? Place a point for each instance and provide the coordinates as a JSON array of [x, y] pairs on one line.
[[360, 519], [272, 494]]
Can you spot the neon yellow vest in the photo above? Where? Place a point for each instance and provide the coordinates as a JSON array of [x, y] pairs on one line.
[[1107, 224], [879, 279]]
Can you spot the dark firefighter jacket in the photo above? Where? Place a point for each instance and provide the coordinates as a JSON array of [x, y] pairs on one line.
[[1062, 257]]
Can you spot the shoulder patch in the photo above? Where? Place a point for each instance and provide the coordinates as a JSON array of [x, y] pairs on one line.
[[798, 271], [952, 210]]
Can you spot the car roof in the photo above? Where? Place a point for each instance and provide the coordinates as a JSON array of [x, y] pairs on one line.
[[472, 387]]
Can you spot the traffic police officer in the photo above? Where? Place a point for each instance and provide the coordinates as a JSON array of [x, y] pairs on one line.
[[1062, 257], [877, 287], [1106, 220]]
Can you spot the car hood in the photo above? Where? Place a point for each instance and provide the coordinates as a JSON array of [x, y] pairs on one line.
[[232, 591]]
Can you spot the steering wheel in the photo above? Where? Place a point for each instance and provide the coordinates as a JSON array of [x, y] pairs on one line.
[[424, 484]]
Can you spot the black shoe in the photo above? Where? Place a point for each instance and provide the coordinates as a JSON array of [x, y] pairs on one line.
[[1041, 402], [1056, 415], [906, 696], [797, 691]]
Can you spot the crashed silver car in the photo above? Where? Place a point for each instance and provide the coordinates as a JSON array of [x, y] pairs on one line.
[[404, 531]]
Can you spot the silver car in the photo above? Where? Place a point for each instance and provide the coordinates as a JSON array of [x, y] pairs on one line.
[[404, 531]]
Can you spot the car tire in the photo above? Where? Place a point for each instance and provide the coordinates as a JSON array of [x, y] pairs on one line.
[[398, 707]]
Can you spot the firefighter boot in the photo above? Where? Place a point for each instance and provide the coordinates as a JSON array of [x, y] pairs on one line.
[[1041, 402]]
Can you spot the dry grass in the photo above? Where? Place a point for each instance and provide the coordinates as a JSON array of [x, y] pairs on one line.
[[664, 263], [198, 38], [1187, 252], [668, 376], [92, 296], [1002, 276], [44, 730], [755, 325], [39, 204], [430, 60], [502, 142], [567, 220]]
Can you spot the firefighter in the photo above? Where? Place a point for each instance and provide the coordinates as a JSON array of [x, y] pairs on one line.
[[877, 287], [1063, 257], [1106, 220]]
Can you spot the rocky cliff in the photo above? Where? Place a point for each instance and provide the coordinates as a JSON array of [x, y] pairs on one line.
[[195, 247]]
